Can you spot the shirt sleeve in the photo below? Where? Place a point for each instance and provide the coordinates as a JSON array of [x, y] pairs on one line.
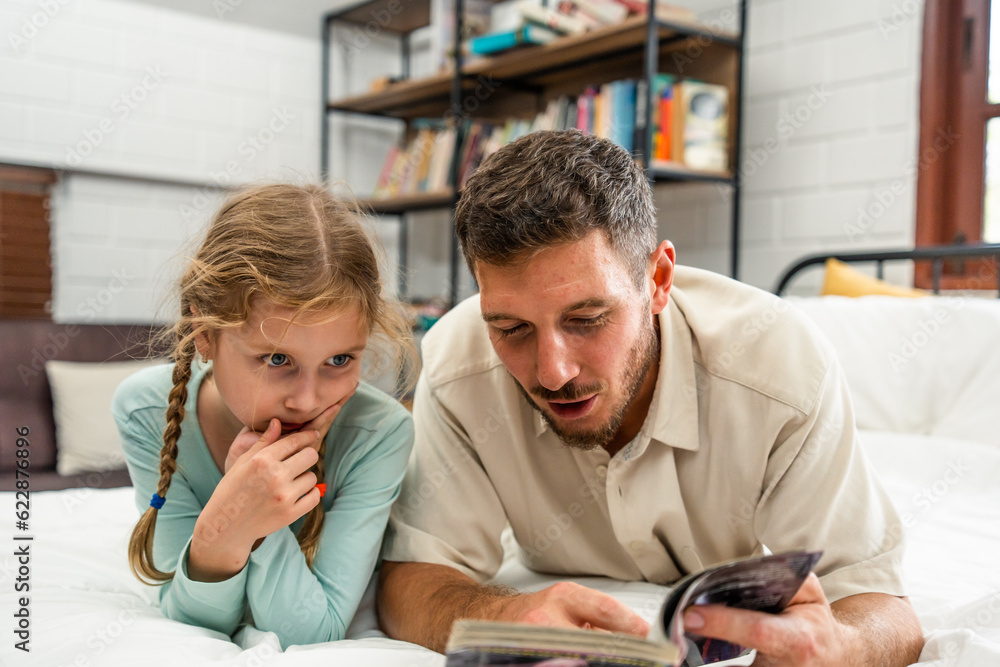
[[304, 606], [820, 492], [448, 512], [215, 605]]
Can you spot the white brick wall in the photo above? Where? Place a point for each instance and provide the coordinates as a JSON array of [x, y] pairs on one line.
[[122, 87], [83, 81], [817, 190]]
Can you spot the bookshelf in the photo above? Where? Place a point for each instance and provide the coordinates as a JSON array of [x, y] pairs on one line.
[[524, 80]]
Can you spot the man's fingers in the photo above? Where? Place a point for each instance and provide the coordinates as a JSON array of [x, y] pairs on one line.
[[604, 612], [810, 591], [770, 634]]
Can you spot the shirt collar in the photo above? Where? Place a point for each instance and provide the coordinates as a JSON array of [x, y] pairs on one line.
[[673, 413]]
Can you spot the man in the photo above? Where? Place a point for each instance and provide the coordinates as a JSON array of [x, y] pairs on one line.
[[633, 420]]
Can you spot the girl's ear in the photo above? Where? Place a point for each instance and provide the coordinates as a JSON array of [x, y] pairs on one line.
[[202, 340]]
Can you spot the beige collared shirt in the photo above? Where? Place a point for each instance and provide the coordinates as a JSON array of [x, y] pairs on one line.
[[749, 442]]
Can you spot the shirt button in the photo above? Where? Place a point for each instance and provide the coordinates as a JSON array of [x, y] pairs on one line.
[[602, 471], [636, 545]]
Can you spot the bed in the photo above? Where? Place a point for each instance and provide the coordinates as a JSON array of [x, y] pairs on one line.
[[926, 386]]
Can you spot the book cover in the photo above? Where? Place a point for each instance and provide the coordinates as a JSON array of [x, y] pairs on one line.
[[494, 42], [606, 12], [623, 115], [704, 108], [663, 110], [664, 11], [553, 19], [570, 8]]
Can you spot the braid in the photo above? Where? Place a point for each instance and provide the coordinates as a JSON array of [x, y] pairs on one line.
[[312, 528], [141, 543]]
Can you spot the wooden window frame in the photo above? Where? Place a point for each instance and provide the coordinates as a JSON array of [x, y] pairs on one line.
[[25, 257], [951, 161]]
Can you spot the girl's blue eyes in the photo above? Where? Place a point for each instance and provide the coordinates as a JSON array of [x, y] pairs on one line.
[[278, 359], [275, 360]]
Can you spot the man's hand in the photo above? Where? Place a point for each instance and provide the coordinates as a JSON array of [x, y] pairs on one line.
[[570, 605], [419, 602], [804, 634]]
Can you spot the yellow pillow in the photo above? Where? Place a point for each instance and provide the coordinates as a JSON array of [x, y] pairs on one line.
[[842, 280]]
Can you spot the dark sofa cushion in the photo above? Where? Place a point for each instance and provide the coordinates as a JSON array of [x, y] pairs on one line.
[[25, 399]]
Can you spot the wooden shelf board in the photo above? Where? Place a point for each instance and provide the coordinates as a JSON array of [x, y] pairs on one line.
[[567, 52], [397, 96], [410, 202], [673, 171], [394, 16]]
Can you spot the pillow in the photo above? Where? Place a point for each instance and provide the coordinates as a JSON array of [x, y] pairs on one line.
[[841, 280], [86, 435]]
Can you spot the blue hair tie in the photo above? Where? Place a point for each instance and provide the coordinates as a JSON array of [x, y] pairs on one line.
[[157, 501]]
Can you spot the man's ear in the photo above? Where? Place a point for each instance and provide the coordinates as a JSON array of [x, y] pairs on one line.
[[661, 275]]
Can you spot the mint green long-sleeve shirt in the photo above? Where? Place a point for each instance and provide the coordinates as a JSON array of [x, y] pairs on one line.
[[367, 449]]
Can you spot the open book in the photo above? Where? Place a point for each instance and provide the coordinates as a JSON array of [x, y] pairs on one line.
[[766, 584]]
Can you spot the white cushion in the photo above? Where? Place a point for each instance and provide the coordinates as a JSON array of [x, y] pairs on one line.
[[928, 366], [86, 435]]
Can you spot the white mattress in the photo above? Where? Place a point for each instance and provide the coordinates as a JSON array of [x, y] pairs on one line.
[[87, 609]]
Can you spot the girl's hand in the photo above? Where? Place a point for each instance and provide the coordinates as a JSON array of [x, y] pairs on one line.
[[267, 488], [247, 438]]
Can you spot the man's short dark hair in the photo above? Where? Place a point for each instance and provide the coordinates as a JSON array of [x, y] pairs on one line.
[[550, 188]]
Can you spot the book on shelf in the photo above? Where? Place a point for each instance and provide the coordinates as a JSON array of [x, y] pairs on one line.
[[475, 22], [495, 42], [662, 94], [664, 11], [606, 12], [701, 134], [765, 584], [552, 18]]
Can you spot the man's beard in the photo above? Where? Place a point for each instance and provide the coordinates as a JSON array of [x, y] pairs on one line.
[[640, 358]]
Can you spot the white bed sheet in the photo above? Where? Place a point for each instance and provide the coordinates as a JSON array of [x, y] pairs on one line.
[[87, 609]]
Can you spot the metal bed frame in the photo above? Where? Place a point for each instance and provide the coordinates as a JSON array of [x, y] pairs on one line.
[[936, 254]]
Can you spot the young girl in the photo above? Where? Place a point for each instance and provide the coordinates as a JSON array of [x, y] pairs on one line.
[[263, 468]]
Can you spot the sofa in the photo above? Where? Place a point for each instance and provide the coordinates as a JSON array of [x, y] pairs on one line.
[[26, 397]]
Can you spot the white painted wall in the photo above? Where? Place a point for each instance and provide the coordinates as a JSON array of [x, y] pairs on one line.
[[162, 94], [121, 87], [830, 141]]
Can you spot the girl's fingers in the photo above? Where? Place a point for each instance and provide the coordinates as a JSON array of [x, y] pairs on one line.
[[308, 501], [301, 461], [322, 422], [293, 443], [303, 484]]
